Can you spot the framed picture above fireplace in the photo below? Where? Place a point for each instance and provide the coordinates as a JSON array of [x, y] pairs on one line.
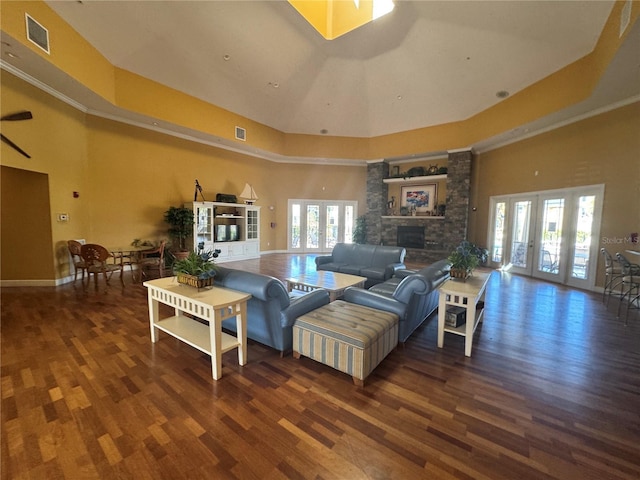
[[421, 197]]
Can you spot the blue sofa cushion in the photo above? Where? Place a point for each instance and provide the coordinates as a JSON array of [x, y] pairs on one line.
[[270, 312], [411, 294], [375, 262]]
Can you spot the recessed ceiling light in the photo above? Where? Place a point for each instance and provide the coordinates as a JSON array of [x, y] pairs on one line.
[[399, 97], [226, 57], [502, 94]]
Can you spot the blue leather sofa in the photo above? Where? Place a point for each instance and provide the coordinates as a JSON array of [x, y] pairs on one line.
[[376, 262], [411, 294], [270, 311]]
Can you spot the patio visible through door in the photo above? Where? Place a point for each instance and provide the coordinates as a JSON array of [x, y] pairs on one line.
[[551, 235]]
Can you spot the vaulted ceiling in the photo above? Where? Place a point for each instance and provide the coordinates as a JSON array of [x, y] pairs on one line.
[[426, 63]]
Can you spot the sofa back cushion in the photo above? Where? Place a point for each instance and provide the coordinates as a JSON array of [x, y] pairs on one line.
[[387, 255], [342, 252]]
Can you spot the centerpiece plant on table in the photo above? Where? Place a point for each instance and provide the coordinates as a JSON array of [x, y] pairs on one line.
[[463, 260], [198, 269]]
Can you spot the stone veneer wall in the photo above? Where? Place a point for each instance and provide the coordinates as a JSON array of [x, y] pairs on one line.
[[441, 235], [377, 193]]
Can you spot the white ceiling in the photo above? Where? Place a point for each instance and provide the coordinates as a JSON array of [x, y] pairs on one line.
[[426, 63]]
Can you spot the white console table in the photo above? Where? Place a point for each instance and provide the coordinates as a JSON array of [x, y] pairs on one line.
[[210, 304], [464, 294]]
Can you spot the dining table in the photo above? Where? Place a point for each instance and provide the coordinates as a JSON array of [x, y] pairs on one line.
[[129, 255]]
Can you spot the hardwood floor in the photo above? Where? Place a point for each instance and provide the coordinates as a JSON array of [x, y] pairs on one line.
[[552, 391]]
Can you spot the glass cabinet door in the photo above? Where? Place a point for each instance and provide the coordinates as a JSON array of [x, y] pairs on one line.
[[252, 224], [204, 225]]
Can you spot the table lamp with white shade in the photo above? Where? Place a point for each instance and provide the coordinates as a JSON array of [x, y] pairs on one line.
[[249, 194]]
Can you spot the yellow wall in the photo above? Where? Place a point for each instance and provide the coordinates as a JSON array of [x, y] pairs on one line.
[[599, 150], [127, 176], [56, 140]]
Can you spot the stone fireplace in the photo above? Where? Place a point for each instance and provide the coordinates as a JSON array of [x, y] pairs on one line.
[[440, 234]]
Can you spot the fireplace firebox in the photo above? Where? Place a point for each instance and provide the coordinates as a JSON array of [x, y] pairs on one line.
[[410, 237]]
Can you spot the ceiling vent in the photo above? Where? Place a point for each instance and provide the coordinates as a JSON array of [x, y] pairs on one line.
[[37, 34], [241, 134]]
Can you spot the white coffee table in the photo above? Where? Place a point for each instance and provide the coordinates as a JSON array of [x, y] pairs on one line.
[[335, 283]]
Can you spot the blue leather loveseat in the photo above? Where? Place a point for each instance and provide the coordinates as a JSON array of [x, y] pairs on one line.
[[270, 311], [376, 262], [410, 294]]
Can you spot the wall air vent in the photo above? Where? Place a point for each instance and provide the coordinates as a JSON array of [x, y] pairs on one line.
[[241, 134], [37, 34]]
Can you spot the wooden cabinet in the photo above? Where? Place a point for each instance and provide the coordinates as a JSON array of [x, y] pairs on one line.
[[233, 228]]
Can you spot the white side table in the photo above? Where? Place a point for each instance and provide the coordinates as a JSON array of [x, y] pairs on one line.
[[211, 304], [464, 294]]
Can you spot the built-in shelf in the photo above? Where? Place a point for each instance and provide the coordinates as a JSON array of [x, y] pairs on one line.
[[414, 217], [415, 180]]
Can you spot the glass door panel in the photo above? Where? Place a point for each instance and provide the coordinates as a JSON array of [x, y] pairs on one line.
[[497, 245], [549, 252], [312, 241], [332, 225], [582, 244], [521, 215], [349, 223], [294, 226]]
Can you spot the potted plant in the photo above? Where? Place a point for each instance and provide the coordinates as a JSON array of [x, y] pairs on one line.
[[180, 220], [197, 269], [463, 260], [360, 231]]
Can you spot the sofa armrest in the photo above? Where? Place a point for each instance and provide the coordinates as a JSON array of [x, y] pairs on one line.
[[413, 284], [402, 273], [366, 298], [303, 305], [322, 259], [392, 268]]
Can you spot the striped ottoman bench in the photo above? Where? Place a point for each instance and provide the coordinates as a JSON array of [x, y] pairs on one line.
[[348, 337]]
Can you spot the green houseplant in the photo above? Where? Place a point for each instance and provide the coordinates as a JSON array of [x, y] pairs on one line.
[[360, 230], [180, 220], [197, 269], [463, 260]]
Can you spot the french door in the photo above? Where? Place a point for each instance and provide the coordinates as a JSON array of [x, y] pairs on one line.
[[316, 226], [552, 235]]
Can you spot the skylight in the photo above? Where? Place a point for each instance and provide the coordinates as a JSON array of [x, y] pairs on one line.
[[333, 18]]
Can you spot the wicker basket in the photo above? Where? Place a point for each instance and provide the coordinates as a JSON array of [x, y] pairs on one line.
[[194, 281], [459, 273]]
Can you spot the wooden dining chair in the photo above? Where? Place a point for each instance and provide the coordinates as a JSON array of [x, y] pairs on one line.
[[76, 256], [152, 260], [96, 258]]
